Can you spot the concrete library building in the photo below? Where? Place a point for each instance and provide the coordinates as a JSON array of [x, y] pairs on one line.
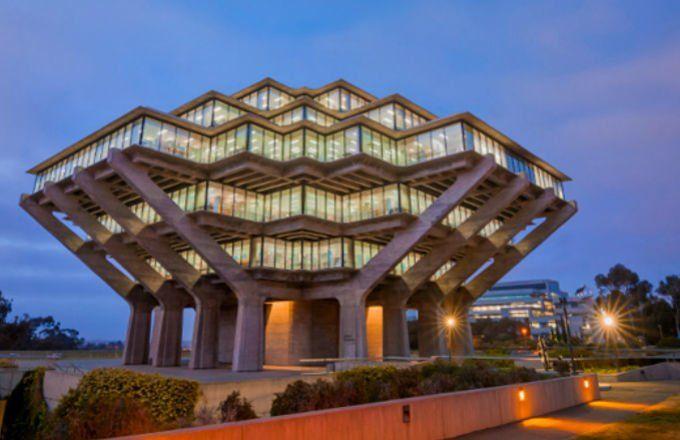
[[298, 223]]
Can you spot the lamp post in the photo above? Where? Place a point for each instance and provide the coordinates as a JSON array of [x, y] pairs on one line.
[[567, 330], [608, 322], [450, 325]]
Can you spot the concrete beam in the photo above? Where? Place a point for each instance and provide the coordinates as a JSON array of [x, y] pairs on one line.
[[507, 260], [238, 280], [447, 248], [95, 260], [481, 253], [112, 244]]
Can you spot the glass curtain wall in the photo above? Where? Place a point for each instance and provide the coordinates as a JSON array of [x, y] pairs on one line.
[[396, 117], [212, 113], [300, 200], [170, 139], [267, 98], [341, 100], [304, 113]]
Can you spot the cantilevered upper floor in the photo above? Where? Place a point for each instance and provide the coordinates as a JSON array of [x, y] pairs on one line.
[[280, 123]]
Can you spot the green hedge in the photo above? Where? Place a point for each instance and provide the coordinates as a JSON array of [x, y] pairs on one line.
[[26, 408], [375, 384], [135, 403]]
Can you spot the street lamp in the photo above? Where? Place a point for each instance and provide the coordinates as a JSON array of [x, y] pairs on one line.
[[450, 324], [609, 324]]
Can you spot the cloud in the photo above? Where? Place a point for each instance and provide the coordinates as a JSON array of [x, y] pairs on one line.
[[12, 244]]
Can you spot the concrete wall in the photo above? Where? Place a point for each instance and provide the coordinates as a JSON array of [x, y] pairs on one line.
[[259, 392], [56, 384], [431, 417], [660, 371], [9, 378]]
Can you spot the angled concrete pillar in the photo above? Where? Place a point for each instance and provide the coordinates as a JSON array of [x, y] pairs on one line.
[[512, 255], [232, 273], [227, 332], [85, 251], [352, 328], [136, 351], [481, 253], [249, 338], [447, 248]]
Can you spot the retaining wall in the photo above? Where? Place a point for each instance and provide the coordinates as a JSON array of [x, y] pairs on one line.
[[427, 417]]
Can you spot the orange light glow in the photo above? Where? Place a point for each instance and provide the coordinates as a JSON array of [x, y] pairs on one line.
[[623, 406], [562, 424], [522, 395], [586, 383]]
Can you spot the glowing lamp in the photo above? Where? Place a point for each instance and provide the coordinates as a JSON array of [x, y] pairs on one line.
[[586, 383], [451, 322], [522, 395]]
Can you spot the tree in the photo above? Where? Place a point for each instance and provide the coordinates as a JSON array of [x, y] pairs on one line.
[[33, 333], [670, 287]]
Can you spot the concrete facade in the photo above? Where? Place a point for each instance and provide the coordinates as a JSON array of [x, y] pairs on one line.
[[296, 240]]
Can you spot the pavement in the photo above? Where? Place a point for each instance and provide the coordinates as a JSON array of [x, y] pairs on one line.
[[216, 375], [620, 402]]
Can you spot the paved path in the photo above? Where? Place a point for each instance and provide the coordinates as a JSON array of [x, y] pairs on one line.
[[622, 401]]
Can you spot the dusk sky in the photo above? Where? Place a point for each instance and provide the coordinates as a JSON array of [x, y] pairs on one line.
[[591, 87]]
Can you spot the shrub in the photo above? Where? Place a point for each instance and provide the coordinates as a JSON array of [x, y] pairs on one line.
[[104, 416], [26, 408], [373, 384], [165, 402], [235, 408], [561, 367]]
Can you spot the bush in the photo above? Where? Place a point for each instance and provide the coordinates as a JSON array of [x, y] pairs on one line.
[[668, 342], [110, 415], [235, 408], [26, 408], [374, 384], [159, 402], [561, 367]]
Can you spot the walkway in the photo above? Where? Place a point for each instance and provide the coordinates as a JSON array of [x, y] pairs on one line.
[[623, 400]]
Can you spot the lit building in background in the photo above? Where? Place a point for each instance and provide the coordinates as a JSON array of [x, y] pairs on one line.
[[298, 223], [534, 302]]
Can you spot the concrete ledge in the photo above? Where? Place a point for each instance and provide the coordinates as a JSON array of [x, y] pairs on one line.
[[430, 417], [660, 371]]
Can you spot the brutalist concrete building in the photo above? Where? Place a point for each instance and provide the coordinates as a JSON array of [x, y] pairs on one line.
[[299, 223]]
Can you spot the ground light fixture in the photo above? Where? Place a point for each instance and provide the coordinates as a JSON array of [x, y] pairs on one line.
[[522, 395], [586, 383]]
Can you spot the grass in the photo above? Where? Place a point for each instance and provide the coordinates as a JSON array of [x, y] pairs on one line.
[[661, 421], [611, 370]]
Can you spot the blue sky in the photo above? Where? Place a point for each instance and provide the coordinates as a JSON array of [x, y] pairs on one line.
[[592, 87]]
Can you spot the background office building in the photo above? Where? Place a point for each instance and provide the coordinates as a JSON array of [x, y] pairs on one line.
[[536, 302], [297, 222]]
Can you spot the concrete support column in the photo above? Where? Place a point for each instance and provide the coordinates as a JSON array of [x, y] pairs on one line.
[[204, 342], [249, 334], [352, 328], [227, 332], [166, 350], [136, 350], [431, 332], [395, 331]]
